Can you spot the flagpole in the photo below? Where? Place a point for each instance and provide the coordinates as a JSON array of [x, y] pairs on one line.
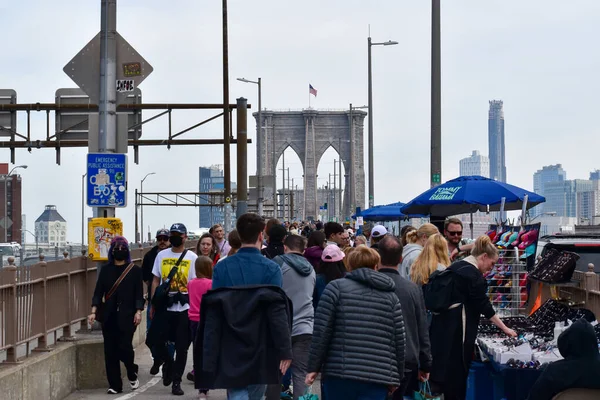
[[308, 96]]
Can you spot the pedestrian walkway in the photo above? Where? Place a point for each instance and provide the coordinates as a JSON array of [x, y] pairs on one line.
[[151, 387]]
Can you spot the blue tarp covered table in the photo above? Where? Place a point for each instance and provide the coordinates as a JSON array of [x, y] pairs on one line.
[[506, 383]]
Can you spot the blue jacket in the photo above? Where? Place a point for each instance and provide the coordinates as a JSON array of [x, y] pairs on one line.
[[246, 267]]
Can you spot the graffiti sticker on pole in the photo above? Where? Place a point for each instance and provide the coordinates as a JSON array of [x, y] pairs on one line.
[[125, 85], [106, 180]]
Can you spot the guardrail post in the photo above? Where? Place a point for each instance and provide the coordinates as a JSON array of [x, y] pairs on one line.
[[43, 340], [67, 329], [590, 281], [12, 317]]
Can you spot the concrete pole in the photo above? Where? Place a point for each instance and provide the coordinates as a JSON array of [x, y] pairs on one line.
[[352, 179], [226, 127], [107, 107], [259, 152], [436, 96], [370, 138], [242, 158]]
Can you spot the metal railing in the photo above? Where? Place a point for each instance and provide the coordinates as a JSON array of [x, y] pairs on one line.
[[47, 299]]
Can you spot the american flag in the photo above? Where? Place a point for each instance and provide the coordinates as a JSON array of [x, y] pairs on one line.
[[312, 90]]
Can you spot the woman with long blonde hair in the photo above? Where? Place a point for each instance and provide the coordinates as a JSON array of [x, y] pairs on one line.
[[416, 240], [433, 257]]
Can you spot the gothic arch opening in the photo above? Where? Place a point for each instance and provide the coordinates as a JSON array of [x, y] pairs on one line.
[[331, 190], [290, 185]]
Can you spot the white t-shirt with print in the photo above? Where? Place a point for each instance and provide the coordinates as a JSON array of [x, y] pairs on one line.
[[165, 261]]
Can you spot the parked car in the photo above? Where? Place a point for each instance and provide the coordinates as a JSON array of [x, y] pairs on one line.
[[586, 245]]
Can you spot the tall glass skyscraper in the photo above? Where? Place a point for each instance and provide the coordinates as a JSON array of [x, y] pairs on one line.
[[211, 180], [496, 141], [541, 178]]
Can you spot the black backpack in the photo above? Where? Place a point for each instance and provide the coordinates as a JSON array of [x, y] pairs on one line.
[[438, 291]]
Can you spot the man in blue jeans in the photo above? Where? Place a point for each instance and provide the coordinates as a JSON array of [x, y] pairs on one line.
[[245, 268]]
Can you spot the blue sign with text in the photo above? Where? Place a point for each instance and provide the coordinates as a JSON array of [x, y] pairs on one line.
[[106, 180]]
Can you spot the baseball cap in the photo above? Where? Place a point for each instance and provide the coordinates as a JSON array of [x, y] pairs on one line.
[[332, 253], [179, 228], [162, 232], [378, 231]]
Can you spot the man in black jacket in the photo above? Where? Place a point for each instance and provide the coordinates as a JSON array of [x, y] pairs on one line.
[[162, 242], [417, 362], [234, 352], [580, 368]]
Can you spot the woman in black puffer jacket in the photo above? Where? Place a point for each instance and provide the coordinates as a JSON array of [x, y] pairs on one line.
[[358, 337]]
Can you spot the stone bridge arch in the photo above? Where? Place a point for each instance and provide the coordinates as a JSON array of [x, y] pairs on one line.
[[310, 133]]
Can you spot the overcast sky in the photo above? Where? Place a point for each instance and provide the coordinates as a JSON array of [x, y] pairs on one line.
[[539, 57]]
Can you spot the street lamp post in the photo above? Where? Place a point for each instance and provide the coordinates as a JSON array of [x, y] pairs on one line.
[[259, 178], [6, 200], [36, 240], [371, 174], [82, 208], [142, 203]]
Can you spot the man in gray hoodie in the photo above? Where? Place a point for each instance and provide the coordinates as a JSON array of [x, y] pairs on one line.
[[299, 284]]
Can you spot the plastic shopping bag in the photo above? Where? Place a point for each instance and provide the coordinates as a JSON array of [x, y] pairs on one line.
[[308, 395], [424, 392]]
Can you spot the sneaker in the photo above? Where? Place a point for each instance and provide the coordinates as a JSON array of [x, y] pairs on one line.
[[190, 376], [113, 391], [134, 382], [176, 389], [167, 373], [155, 367]]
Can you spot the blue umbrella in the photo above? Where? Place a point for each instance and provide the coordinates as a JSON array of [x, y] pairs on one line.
[[387, 212], [468, 194]]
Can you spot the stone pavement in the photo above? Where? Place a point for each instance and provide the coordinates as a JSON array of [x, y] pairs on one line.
[[151, 387]]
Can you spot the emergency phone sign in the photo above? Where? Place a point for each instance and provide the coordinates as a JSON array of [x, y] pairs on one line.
[[106, 180]]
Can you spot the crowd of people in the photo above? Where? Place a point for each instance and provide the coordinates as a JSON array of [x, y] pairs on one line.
[[276, 304]]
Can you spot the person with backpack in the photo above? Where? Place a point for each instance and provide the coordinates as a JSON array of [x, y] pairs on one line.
[[457, 297]]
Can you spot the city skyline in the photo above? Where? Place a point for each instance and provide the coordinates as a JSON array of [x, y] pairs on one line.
[[483, 58]]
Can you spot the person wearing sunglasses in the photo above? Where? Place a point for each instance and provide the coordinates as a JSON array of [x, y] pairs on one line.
[[453, 231]]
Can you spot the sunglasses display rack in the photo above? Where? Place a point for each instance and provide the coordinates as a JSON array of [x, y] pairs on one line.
[[507, 284], [536, 341]]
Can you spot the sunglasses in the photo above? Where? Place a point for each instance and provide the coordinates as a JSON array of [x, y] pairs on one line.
[[162, 239], [454, 233]]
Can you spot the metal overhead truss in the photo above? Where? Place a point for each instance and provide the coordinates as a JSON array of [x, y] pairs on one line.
[[180, 199], [55, 141]]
